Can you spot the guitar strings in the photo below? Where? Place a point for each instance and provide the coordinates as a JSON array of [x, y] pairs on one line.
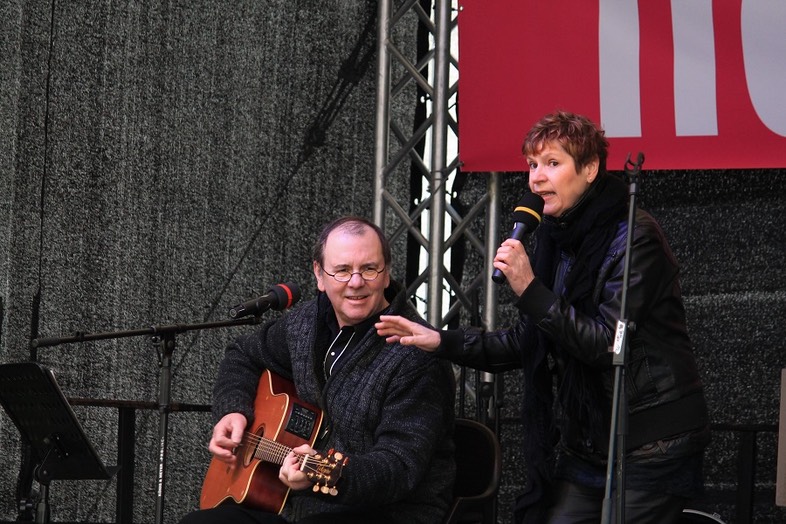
[[272, 451], [266, 449]]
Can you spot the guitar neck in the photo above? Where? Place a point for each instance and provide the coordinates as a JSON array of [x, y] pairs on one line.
[[324, 470], [267, 450]]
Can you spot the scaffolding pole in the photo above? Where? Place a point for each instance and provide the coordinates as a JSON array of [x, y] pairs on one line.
[[432, 221]]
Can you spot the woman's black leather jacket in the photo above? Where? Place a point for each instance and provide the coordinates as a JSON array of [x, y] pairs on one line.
[[664, 392]]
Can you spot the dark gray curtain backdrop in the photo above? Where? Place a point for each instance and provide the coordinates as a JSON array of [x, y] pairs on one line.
[[161, 161]]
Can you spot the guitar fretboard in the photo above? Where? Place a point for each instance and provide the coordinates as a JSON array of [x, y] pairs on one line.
[[267, 450]]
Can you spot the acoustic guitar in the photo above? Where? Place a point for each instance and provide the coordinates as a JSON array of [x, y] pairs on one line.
[[282, 422]]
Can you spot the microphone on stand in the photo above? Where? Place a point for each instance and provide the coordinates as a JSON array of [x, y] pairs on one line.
[[526, 218], [278, 297]]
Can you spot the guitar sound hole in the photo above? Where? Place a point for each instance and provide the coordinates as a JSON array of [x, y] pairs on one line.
[[251, 445]]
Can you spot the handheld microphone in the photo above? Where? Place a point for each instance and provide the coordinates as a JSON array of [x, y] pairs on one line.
[[526, 218], [278, 297]]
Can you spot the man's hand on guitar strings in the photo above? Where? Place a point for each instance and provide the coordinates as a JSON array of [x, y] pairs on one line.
[[227, 437], [291, 473]]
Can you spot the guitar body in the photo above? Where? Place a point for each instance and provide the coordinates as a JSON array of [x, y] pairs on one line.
[[279, 416]]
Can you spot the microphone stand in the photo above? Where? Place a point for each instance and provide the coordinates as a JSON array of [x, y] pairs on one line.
[[619, 408], [164, 338]]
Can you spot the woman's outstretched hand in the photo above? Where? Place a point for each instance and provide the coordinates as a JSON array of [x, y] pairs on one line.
[[398, 329]]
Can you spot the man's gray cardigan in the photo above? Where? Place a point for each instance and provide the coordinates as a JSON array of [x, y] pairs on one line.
[[390, 408]]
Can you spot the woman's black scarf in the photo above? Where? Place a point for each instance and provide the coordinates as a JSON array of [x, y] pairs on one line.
[[585, 232]]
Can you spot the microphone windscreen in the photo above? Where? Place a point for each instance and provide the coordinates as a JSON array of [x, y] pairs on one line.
[[286, 295], [529, 210]]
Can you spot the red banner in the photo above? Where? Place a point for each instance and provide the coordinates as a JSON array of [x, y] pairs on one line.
[[692, 84]]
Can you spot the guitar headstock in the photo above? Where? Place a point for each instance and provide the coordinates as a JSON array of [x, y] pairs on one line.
[[325, 470]]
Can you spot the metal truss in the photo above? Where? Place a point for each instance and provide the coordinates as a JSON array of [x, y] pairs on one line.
[[429, 150]]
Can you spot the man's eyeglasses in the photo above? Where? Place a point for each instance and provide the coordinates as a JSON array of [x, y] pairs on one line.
[[345, 276]]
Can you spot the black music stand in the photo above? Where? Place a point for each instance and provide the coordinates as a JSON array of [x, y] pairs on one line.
[[30, 395]]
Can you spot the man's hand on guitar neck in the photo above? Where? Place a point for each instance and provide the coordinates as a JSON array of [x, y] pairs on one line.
[[227, 436], [291, 473]]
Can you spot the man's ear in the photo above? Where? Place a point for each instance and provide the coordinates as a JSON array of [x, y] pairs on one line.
[[319, 276]]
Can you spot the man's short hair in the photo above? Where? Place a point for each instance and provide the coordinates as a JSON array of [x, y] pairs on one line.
[[353, 225]]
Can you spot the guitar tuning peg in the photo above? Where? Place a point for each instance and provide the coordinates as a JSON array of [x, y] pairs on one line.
[[315, 489], [325, 490], [333, 491]]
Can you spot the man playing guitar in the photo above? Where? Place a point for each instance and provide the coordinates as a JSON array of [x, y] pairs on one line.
[[382, 413]]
